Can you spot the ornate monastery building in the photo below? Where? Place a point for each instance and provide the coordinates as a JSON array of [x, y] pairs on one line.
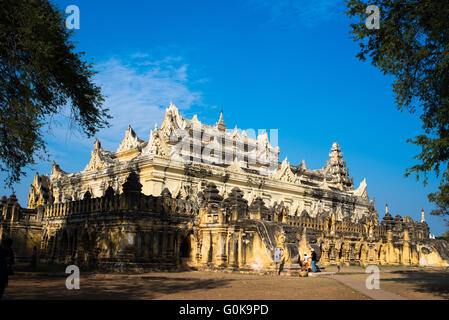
[[208, 197]]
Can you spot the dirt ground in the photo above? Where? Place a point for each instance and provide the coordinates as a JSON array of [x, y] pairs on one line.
[[178, 286], [414, 284], [194, 285]]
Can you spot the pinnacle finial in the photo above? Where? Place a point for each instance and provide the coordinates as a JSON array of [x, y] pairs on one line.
[[336, 147], [97, 144], [386, 207], [221, 117], [173, 108], [423, 218], [220, 124]]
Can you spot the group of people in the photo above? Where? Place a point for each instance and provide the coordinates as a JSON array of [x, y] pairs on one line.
[[310, 262], [6, 263]]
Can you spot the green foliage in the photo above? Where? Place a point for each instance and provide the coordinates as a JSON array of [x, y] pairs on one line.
[[412, 44], [39, 74], [444, 236]]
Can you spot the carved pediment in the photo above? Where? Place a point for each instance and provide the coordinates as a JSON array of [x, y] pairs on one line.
[[361, 191], [324, 184], [236, 167], [285, 173], [235, 134], [98, 161], [100, 158], [156, 145], [172, 122], [131, 141], [266, 154], [57, 172], [40, 191]]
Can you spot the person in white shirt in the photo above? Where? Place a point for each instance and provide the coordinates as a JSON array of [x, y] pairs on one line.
[[306, 260]]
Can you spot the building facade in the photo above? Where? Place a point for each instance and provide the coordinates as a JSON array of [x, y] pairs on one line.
[[209, 197]]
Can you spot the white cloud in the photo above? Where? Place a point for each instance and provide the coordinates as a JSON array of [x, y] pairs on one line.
[[137, 92]]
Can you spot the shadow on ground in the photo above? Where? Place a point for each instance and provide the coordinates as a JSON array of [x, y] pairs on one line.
[[435, 282], [107, 286]]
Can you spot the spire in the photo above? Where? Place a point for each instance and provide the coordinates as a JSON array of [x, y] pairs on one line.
[[221, 116], [423, 218], [97, 144], [336, 170], [335, 147], [220, 124], [387, 217]]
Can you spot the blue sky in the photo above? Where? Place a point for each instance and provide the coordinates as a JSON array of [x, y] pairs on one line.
[[286, 65]]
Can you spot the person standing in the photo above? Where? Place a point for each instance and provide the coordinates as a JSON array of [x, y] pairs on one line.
[[313, 260], [306, 261]]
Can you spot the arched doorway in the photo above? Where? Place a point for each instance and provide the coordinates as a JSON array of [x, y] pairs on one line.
[[84, 248], [187, 251]]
